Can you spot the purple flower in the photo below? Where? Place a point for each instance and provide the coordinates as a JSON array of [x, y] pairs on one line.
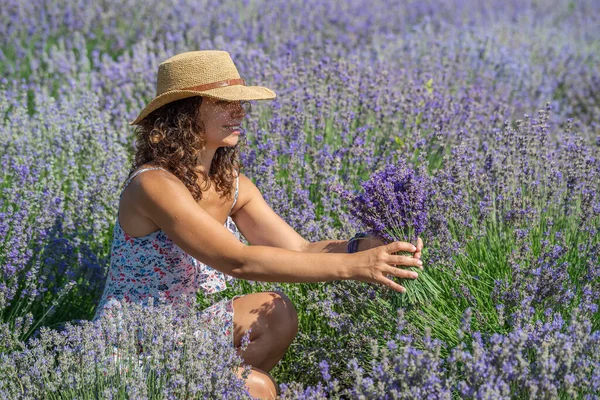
[[393, 203]]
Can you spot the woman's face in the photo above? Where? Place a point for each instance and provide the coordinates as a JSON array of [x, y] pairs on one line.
[[219, 118]]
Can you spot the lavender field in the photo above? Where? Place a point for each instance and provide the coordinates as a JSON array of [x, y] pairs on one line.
[[493, 107]]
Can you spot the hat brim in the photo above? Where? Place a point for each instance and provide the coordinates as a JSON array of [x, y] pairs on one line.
[[232, 93]]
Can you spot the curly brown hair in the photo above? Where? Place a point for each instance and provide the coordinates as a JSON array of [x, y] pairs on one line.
[[172, 136]]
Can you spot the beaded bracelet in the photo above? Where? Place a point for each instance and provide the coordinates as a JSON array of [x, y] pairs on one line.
[[353, 243]]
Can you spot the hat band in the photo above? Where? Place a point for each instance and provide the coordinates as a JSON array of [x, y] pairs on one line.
[[218, 84]]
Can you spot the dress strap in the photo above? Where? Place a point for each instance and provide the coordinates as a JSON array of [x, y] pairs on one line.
[[237, 186], [136, 173]]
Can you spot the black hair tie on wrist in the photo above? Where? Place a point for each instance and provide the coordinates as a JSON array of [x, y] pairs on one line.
[[353, 243]]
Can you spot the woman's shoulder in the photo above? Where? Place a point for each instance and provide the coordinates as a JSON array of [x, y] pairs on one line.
[[151, 179], [151, 171], [154, 195]]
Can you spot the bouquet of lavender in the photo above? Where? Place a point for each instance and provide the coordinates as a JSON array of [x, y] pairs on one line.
[[393, 206]]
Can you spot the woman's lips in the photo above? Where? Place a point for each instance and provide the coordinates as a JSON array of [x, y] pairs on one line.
[[233, 128]]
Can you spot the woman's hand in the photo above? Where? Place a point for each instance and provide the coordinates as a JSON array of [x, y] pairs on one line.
[[374, 265], [370, 242]]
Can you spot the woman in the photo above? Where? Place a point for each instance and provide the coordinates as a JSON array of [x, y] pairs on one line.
[[185, 200]]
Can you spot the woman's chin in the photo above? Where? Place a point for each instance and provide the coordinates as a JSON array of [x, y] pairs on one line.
[[230, 141]]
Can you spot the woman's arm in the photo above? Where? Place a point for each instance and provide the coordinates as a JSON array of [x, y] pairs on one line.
[[326, 246], [167, 202], [260, 225], [341, 246]]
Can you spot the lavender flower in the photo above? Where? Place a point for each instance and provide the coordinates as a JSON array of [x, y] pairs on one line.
[[504, 119], [180, 357], [393, 204]]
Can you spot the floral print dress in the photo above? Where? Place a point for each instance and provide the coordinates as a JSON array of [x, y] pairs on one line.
[[151, 265]]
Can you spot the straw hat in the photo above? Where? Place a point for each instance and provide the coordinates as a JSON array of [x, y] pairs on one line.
[[209, 73]]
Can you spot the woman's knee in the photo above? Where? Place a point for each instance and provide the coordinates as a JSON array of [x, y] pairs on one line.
[[260, 384], [285, 312], [270, 313]]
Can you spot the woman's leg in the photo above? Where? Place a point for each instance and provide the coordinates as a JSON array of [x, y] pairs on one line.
[[260, 384], [273, 321]]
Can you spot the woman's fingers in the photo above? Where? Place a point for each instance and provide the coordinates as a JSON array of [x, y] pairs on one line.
[[392, 285], [395, 247], [401, 273], [419, 248], [398, 273], [405, 261]]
